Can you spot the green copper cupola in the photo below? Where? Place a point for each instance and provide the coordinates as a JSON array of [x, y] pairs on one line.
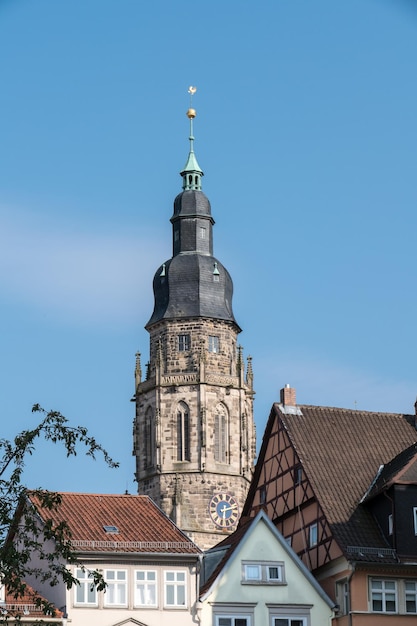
[[192, 172]]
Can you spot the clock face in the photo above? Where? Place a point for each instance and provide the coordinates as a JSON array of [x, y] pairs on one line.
[[224, 510]]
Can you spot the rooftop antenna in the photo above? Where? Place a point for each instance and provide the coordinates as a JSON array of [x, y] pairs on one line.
[[191, 113], [192, 172]]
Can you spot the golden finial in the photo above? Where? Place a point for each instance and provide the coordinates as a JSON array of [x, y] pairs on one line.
[[191, 113]]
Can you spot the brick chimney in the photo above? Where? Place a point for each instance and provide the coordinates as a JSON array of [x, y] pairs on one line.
[[287, 396]]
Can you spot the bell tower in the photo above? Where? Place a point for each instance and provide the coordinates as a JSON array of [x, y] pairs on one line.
[[194, 434]]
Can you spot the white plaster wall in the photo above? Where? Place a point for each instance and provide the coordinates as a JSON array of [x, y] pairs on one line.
[[109, 616], [262, 545]]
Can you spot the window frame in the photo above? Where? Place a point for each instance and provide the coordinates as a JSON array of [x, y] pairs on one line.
[[383, 592], [233, 612], [300, 613], [221, 434], [117, 584], [147, 583], [232, 619], [409, 592], [313, 535], [214, 344], [184, 342], [290, 619], [183, 432], [343, 596], [149, 437], [86, 580], [264, 577], [176, 584]]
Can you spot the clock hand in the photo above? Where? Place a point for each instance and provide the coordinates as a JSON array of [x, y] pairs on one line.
[[228, 508]]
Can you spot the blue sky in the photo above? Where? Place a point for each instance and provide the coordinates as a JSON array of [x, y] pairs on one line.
[[306, 130]]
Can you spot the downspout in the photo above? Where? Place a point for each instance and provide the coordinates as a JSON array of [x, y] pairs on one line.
[[198, 604], [350, 594]]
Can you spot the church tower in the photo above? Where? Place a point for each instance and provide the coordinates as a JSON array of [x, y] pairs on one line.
[[194, 434]]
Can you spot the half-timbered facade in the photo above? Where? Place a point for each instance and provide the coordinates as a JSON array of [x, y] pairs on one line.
[[320, 478]]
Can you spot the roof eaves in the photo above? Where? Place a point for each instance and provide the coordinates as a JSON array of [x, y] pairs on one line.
[[371, 486]]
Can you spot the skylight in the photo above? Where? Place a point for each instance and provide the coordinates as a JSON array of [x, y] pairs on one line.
[[111, 529]]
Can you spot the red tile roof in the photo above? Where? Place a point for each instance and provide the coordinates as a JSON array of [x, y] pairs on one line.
[[141, 525], [25, 607]]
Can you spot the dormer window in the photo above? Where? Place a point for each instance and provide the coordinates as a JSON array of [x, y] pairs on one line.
[[216, 274]]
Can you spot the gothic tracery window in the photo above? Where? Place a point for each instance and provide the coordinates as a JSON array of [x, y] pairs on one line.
[[149, 436], [221, 434], [183, 432]]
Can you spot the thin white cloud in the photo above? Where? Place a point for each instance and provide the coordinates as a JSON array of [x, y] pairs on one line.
[[87, 277]]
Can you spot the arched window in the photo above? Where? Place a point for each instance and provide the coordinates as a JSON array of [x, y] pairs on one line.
[[221, 434], [183, 432], [149, 436]]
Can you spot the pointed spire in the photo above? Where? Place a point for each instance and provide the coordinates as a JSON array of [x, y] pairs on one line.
[[138, 370], [192, 172]]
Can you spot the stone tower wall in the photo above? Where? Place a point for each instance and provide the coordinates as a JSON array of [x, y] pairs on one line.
[[208, 383]]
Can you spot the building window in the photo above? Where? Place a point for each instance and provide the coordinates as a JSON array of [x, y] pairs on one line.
[[313, 535], [274, 573], [220, 434], [184, 343], [202, 232], [252, 572], [116, 590], [236, 620], [183, 432], [231, 615], [383, 595], [289, 616], [85, 592], [415, 519], [342, 596], [289, 621], [149, 435], [410, 596], [262, 572], [390, 524], [145, 588], [213, 344], [175, 589], [298, 475]]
